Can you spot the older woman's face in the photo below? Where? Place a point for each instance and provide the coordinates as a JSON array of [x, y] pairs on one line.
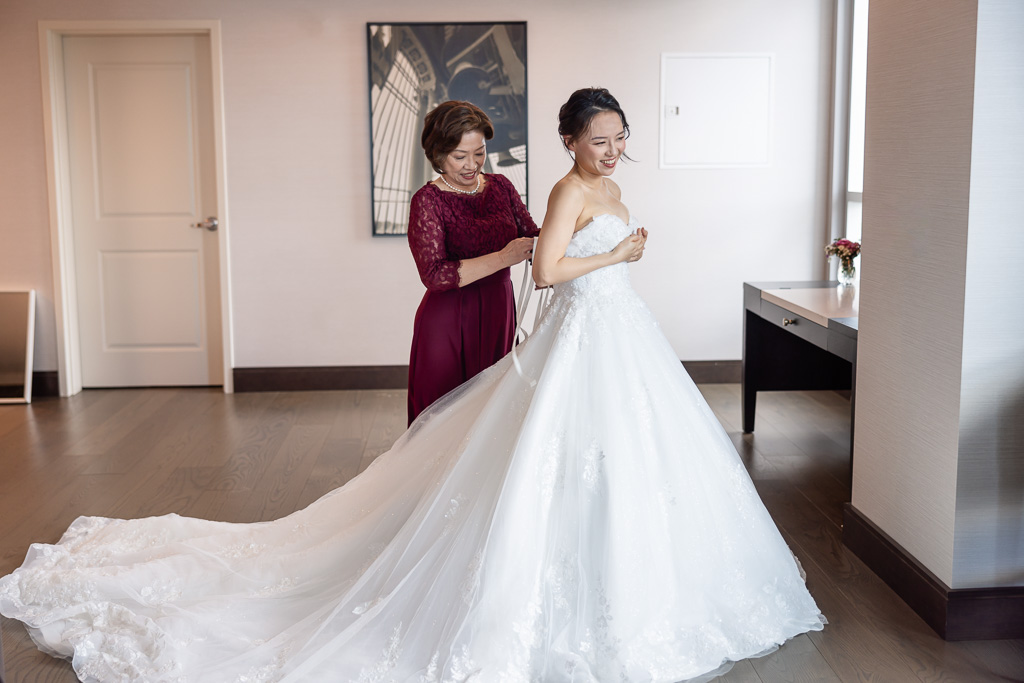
[[464, 164]]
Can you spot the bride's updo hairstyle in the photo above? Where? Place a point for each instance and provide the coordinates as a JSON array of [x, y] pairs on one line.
[[583, 105]]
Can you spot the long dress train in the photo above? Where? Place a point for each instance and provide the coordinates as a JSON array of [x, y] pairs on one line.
[[587, 522]]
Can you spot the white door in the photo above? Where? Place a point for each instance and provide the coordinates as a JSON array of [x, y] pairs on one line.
[[141, 167]]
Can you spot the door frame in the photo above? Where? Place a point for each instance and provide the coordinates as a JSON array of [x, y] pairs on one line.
[[58, 179]]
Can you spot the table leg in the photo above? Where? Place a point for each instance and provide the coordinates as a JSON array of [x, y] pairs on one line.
[[748, 388]]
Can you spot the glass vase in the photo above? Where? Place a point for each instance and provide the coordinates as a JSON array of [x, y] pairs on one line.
[[847, 273]]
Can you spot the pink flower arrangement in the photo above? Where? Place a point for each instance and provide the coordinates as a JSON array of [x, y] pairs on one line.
[[846, 251]]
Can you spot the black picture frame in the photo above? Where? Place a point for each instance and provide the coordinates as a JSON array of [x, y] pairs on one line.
[[415, 66]]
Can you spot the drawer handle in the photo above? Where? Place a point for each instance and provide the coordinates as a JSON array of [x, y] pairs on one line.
[[786, 322]]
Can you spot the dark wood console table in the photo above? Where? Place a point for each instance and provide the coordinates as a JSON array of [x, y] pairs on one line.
[[797, 336]]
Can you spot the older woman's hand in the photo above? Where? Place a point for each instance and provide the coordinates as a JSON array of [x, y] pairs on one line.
[[516, 251]]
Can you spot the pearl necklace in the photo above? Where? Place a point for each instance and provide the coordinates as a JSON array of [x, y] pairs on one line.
[[478, 179]]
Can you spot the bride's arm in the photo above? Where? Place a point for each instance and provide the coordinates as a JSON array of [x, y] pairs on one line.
[[550, 264]]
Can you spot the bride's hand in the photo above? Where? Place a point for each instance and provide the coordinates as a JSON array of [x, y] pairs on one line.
[[631, 249], [642, 232]]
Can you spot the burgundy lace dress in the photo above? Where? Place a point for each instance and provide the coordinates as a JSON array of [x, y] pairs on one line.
[[459, 331]]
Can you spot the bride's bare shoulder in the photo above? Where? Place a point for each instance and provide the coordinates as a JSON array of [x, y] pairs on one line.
[[567, 192]]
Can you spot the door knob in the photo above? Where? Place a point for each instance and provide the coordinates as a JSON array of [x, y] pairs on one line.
[[210, 224]]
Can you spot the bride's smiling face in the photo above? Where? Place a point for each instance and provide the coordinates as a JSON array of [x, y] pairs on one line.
[[599, 149]]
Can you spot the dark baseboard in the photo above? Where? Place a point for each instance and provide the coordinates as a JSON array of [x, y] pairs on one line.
[[714, 371], [331, 378], [45, 383], [955, 614], [341, 377]]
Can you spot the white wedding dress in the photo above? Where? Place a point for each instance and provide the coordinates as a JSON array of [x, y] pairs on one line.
[[587, 522]]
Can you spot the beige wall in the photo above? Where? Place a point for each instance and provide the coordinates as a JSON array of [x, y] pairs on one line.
[[311, 287], [920, 84], [988, 548], [940, 364]]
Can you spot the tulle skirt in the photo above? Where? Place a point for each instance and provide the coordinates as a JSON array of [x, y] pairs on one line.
[[586, 521]]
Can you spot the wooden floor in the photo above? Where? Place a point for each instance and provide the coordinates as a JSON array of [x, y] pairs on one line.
[[250, 457]]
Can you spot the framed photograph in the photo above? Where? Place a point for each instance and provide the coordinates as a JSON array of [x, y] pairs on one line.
[[413, 68]]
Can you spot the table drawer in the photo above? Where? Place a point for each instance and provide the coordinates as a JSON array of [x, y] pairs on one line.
[[797, 324]]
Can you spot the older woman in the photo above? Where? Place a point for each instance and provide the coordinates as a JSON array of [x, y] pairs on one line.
[[466, 229]]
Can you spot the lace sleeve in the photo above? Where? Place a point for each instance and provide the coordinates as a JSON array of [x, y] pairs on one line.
[[426, 240], [525, 227]]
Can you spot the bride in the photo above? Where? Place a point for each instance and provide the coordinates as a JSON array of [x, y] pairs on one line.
[[582, 519]]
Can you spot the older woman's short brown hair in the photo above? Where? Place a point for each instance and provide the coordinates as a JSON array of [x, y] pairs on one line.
[[445, 125]]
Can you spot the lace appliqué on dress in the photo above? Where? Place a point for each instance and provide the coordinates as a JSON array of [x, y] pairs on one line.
[[388, 659], [447, 227]]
